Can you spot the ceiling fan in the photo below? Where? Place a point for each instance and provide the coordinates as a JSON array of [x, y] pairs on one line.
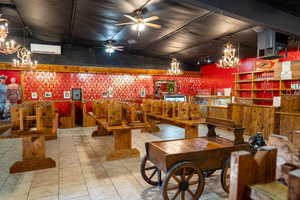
[[110, 48], [139, 23]]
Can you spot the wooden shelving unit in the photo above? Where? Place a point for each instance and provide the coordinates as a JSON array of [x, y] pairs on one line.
[[261, 86]]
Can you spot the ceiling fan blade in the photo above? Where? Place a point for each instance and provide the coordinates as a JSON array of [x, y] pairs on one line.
[[119, 49], [123, 24], [150, 19], [130, 17], [153, 25], [118, 46]]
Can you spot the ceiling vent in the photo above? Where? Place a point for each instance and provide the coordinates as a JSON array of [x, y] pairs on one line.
[[45, 49], [271, 44]]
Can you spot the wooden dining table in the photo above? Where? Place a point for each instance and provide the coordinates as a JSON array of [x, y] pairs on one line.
[[122, 137], [34, 157]]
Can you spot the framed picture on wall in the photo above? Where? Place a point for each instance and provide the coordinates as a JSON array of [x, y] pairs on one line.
[[48, 94], [34, 95], [67, 94], [162, 87], [110, 92], [76, 94], [143, 92]]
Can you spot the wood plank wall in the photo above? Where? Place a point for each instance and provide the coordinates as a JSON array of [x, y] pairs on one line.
[[254, 118]]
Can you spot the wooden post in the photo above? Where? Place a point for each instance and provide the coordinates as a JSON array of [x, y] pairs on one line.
[[122, 146], [248, 169], [294, 185], [191, 131], [21, 118]]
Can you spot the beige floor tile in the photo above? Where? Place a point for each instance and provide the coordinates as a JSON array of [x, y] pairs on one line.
[[72, 191], [82, 172], [43, 191]]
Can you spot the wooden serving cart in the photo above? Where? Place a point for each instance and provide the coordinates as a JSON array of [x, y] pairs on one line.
[[186, 162]]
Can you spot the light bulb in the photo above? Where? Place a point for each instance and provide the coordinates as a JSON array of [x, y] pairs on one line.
[[138, 27], [109, 50]]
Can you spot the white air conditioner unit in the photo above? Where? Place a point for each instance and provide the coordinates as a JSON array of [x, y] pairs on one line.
[[45, 49]]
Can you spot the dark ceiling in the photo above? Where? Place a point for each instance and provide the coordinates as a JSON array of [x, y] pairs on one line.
[[290, 6], [188, 32]]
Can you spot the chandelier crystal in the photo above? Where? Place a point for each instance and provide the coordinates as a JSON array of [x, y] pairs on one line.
[[24, 59], [229, 60], [3, 29], [9, 47], [174, 68]]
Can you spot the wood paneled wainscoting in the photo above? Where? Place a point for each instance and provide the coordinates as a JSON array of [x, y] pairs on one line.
[[254, 118]]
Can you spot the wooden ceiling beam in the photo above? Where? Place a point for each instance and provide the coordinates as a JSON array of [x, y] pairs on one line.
[[96, 69]]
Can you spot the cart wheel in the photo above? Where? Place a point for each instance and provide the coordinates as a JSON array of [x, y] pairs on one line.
[[184, 180], [149, 172], [225, 175], [208, 173]]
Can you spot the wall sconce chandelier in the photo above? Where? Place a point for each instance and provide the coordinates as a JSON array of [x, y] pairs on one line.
[[230, 59], [24, 59], [174, 67]]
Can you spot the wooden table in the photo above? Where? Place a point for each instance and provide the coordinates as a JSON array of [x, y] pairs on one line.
[[33, 149], [190, 126], [122, 138]]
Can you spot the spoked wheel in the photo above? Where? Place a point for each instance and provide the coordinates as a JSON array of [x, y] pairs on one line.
[[208, 173], [150, 173], [225, 175], [183, 181]]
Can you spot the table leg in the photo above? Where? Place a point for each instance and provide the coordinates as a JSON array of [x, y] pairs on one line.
[[191, 132], [33, 156], [151, 127], [101, 131], [123, 146]]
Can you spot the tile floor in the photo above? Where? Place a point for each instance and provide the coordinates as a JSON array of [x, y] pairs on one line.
[[82, 172]]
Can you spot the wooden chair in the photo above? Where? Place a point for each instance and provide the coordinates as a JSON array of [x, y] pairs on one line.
[[253, 176], [47, 120]]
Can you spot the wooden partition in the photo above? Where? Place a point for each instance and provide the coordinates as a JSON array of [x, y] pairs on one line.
[[254, 118]]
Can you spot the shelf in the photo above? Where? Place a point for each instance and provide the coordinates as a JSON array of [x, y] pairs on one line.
[[249, 98], [212, 96], [255, 72], [243, 90], [264, 99], [260, 80], [274, 89], [244, 81]]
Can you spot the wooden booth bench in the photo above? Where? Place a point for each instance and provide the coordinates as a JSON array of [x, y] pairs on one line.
[[190, 126], [33, 149]]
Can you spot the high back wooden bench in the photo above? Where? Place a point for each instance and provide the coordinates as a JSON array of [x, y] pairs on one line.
[[213, 123]]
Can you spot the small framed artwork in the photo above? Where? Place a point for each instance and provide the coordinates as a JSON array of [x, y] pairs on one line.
[[67, 94], [76, 94], [110, 92], [104, 94], [34, 95], [48, 94], [143, 92]]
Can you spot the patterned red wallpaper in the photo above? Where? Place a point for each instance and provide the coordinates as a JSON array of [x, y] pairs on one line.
[[94, 85]]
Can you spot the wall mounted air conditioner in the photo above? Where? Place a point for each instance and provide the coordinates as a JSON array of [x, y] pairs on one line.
[[45, 49]]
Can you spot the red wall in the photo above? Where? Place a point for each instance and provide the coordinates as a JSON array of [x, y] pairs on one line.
[[93, 85]]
